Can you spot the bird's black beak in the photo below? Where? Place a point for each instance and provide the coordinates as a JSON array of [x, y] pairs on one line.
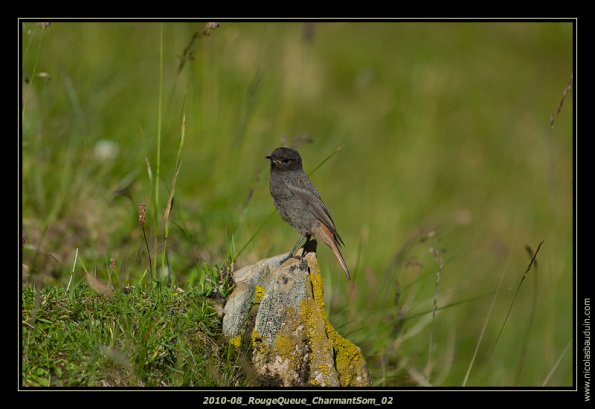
[[269, 157]]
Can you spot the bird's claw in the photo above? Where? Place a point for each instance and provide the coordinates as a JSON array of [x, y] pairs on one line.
[[290, 256]]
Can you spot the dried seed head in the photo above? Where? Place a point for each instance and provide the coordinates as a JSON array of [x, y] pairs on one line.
[[212, 25], [141, 214]]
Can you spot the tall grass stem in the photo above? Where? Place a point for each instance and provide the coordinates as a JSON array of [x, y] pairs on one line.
[[158, 157]]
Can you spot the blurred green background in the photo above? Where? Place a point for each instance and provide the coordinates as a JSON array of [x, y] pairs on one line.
[[445, 156]]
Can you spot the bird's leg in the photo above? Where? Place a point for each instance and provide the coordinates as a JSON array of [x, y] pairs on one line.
[[297, 245], [293, 249], [304, 249]]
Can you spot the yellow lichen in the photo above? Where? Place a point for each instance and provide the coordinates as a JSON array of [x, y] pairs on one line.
[[331, 359], [347, 355], [316, 280], [257, 343], [313, 315], [258, 294], [284, 346], [285, 340], [348, 359], [236, 341], [256, 336]]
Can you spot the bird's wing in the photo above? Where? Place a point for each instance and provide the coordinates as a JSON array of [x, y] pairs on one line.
[[317, 208]]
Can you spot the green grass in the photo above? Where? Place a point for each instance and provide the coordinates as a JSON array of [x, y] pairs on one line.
[[134, 337], [446, 146]]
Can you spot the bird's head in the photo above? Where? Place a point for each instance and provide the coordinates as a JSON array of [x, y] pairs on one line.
[[285, 159]]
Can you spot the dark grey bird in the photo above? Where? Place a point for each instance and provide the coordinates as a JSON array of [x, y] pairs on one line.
[[299, 203]]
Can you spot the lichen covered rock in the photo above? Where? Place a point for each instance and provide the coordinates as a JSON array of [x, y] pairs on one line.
[[280, 307]]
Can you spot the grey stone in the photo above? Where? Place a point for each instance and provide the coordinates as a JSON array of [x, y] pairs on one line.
[[280, 308]]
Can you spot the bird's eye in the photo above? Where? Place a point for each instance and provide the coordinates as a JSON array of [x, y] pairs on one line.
[[285, 160]]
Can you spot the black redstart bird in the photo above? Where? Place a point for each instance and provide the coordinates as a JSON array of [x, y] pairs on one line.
[[299, 204]]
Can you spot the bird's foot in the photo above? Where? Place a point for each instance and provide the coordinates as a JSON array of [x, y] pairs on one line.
[[290, 256]]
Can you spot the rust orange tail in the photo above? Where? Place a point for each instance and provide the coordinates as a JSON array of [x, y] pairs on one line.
[[324, 234]]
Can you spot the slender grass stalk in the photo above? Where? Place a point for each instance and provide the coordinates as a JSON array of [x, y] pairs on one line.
[[72, 173], [410, 317], [445, 306], [83, 266], [556, 113], [487, 319], [325, 159], [438, 256], [391, 273], [141, 221], [549, 375], [251, 101], [551, 152], [516, 294], [230, 251], [159, 120], [170, 199], [187, 53], [534, 303], [34, 71], [158, 155], [142, 277], [258, 229], [152, 269], [76, 255]]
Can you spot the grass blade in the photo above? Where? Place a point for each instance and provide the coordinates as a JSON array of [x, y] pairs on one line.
[[485, 323], [34, 71], [529, 326], [325, 159], [159, 119], [554, 116], [438, 256], [549, 375], [76, 255], [158, 154], [255, 233], [141, 221], [516, 293], [170, 199]]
